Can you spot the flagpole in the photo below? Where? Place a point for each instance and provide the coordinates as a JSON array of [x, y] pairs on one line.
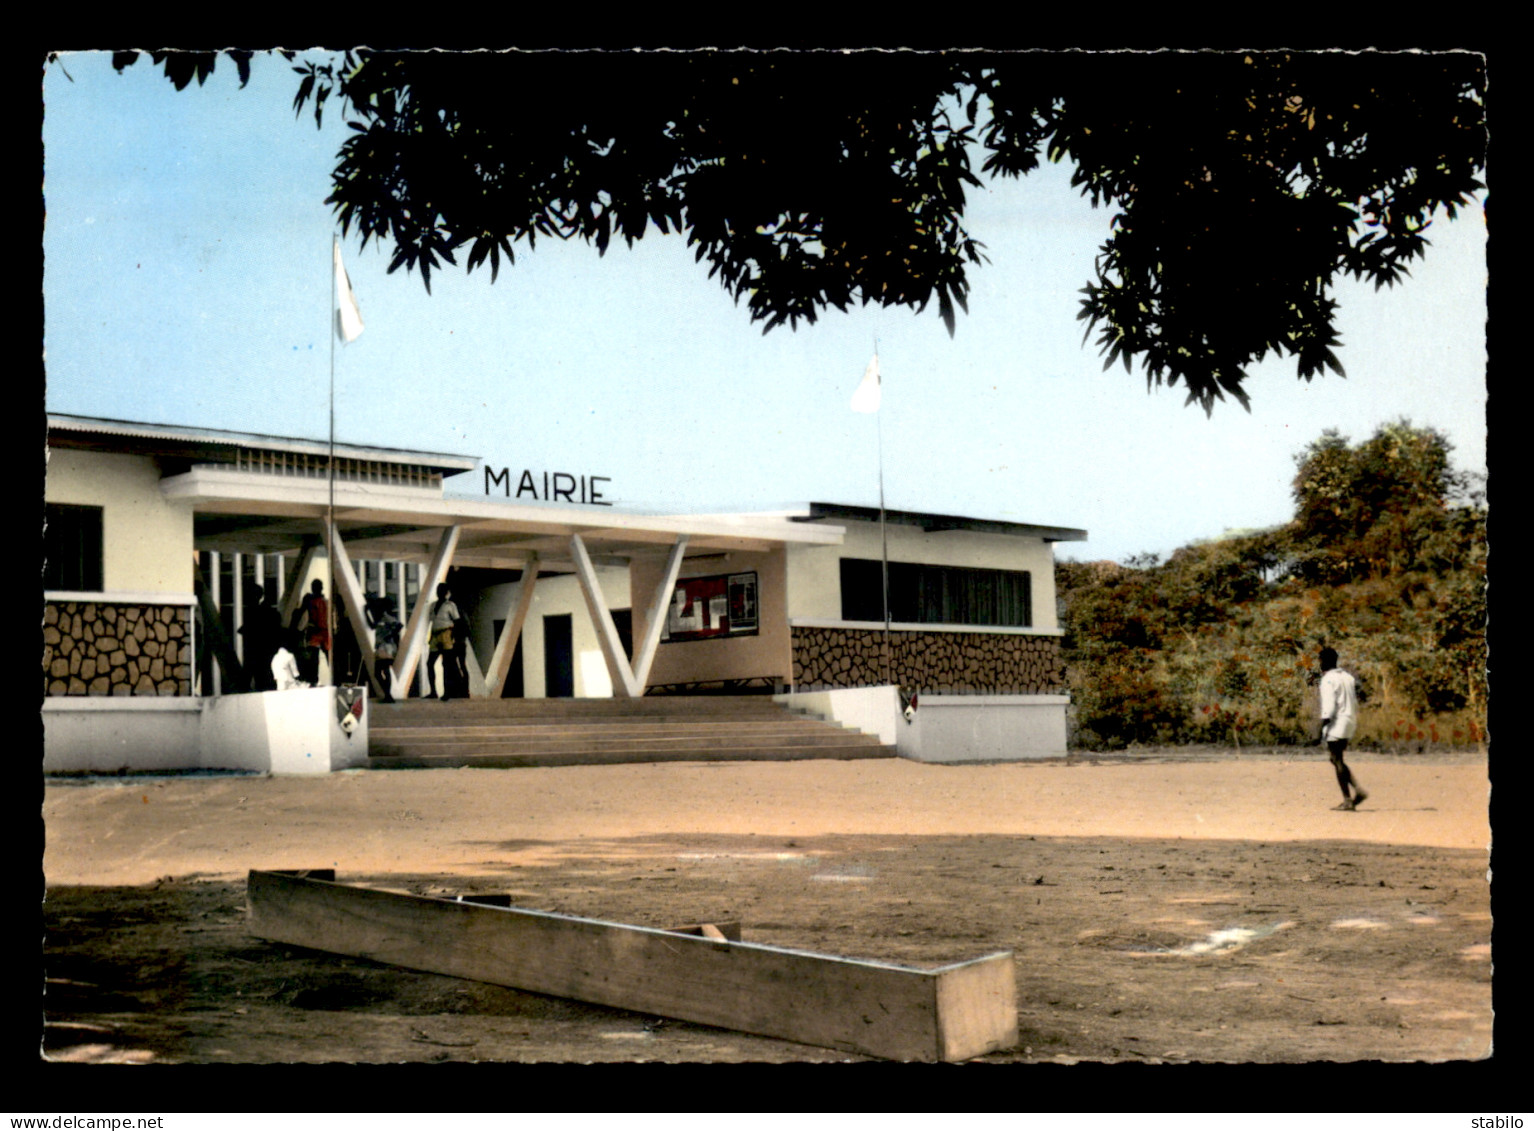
[[330, 508], [867, 399], [884, 544], [346, 319]]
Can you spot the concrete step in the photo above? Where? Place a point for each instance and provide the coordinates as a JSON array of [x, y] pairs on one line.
[[689, 706], [549, 732], [615, 757], [832, 739], [647, 728], [490, 722]]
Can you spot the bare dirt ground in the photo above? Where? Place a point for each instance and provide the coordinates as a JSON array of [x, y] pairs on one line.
[[1208, 908]]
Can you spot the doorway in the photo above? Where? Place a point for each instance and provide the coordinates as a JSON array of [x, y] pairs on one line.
[[558, 657], [623, 621]]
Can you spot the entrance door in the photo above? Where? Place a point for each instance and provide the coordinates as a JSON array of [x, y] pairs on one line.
[[558, 657]]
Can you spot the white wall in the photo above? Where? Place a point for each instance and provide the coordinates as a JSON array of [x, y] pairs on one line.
[[553, 596], [146, 539], [872, 710], [280, 732], [985, 728], [105, 734], [814, 572], [947, 728], [767, 652]]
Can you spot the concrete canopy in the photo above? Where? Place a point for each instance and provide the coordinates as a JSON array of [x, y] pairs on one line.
[[256, 494], [253, 493], [258, 513]]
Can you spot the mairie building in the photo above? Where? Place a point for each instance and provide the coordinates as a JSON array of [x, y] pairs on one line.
[[159, 538]]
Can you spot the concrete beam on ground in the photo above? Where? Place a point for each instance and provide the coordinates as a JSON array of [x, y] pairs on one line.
[[950, 1013]]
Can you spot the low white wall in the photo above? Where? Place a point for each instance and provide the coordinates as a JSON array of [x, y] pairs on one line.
[[279, 732], [986, 728], [947, 728], [105, 734]]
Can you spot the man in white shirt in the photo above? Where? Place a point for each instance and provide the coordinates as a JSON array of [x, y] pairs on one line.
[[1339, 720], [285, 666]]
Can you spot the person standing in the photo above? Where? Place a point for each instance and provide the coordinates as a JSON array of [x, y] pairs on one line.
[[1339, 721], [444, 616], [386, 632], [314, 615], [284, 667], [263, 636]]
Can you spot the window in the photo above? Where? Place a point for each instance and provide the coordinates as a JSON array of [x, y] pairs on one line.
[[72, 548], [933, 594]]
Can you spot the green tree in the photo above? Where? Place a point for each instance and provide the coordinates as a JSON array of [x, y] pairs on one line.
[[1382, 506], [1385, 561], [1240, 186]]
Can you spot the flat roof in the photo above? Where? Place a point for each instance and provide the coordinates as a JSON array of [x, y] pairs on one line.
[[66, 430], [238, 508], [932, 523]]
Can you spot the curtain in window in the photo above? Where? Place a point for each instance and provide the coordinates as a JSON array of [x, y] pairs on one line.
[[930, 594]]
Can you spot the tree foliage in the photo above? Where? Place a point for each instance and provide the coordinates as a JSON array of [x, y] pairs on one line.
[[1385, 561], [1382, 506], [1240, 185]]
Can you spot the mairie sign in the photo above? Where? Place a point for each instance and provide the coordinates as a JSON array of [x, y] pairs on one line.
[[556, 486]]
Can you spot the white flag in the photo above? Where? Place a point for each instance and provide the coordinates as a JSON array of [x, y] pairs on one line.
[[348, 316], [866, 399]]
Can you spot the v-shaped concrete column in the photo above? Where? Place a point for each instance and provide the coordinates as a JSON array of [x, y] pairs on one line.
[[660, 604], [506, 646], [413, 642], [345, 578], [294, 594], [628, 681]]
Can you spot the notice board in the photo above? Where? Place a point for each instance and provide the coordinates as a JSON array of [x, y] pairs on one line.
[[707, 608]]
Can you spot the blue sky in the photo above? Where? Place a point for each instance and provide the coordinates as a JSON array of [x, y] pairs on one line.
[[187, 281]]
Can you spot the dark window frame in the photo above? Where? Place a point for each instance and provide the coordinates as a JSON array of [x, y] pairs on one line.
[[74, 558], [920, 593]]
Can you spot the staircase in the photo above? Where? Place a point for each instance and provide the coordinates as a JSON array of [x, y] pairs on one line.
[[495, 733]]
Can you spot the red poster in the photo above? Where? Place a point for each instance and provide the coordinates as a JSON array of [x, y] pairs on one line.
[[703, 608]]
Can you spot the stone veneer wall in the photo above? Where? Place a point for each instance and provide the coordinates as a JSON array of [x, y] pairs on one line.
[[989, 663], [100, 648]]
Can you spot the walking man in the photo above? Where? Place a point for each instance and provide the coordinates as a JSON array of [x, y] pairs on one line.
[[1339, 719]]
